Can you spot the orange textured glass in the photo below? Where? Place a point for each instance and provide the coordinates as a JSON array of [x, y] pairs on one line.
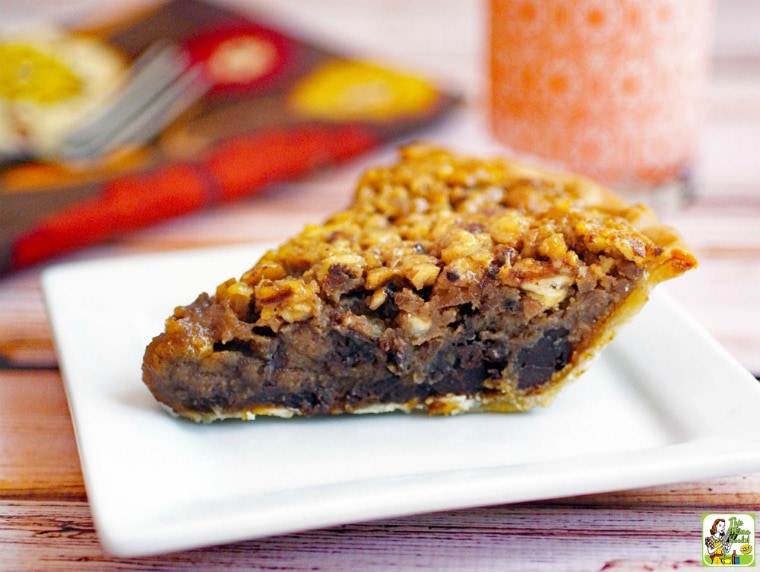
[[610, 88]]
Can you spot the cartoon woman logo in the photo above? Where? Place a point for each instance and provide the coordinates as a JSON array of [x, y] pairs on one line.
[[719, 543]]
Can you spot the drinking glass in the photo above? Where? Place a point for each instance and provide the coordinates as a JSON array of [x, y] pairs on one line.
[[613, 89]]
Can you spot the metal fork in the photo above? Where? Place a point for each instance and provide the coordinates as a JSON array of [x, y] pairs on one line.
[[162, 86]]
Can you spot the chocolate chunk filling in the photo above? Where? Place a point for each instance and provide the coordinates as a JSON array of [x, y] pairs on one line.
[[537, 364]]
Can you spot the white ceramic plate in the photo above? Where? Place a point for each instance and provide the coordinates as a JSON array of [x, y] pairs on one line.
[[657, 407]]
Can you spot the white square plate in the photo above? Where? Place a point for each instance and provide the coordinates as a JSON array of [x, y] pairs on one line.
[[651, 410]]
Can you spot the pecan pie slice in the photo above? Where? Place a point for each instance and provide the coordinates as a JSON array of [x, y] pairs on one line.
[[450, 284]]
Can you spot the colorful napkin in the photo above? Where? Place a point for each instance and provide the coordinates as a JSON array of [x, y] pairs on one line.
[[274, 107]]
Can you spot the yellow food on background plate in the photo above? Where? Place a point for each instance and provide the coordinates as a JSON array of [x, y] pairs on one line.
[[360, 91], [50, 81]]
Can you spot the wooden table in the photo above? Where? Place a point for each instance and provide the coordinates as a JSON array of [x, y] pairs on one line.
[[45, 521]]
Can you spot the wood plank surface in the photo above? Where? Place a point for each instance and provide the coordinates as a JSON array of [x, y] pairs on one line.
[[522, 537], [38, 454], [45, 521]]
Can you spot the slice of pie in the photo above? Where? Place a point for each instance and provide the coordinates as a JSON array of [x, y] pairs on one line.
[[450, 284]]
